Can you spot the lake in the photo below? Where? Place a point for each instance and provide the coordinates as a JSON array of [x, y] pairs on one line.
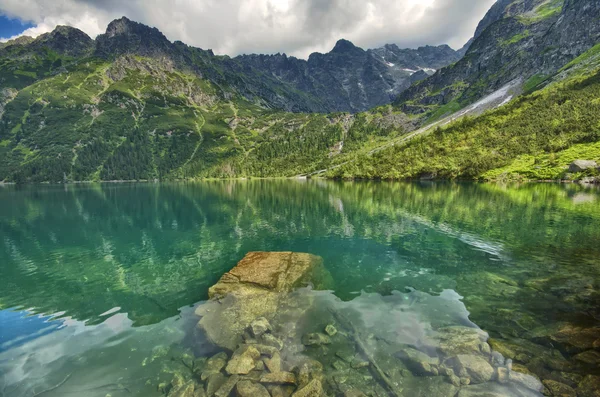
[[99, 283]]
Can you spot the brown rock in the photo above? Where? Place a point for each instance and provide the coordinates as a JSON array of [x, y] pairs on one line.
[[247, 388], [313, 389], [273, 364], [279, 378], [473, 367], [274, 271], [242, 361], [558, 389], [214, 383], [252, 290], [214, 365], [589, 387], [186, 390], [227, 387], [591, 357], [354, 393]]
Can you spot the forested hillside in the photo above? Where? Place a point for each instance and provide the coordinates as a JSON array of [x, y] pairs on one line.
[[534, 137]]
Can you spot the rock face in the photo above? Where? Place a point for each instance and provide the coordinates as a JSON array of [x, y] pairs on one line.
[[352, 79], [516, 40], [582, 165], [252, 290]]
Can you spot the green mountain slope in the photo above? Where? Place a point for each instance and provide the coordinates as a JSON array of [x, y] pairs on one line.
[[533, 137], [140, 118]]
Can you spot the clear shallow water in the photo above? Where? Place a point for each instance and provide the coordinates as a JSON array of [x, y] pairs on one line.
[[97, 282]]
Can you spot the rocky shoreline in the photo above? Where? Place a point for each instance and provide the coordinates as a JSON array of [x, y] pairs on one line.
[[277, 338]]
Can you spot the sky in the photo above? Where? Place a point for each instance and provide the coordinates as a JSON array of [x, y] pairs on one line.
[[233, 27]]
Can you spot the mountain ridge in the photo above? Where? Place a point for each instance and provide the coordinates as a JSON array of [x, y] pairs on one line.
[[322, 83]]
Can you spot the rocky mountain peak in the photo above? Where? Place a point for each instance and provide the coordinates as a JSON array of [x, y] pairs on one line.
[[344, 45], [124, 36], [65, 40]]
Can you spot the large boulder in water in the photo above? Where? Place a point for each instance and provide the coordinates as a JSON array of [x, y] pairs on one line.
[[253, 289]]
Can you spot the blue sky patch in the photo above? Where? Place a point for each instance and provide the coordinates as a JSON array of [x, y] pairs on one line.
[[11, 27]]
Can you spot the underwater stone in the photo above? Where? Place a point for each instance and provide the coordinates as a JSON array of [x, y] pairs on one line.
[[591, 357], [455, 380], [307, 371], [259, 365], [214, 365], [347, 354], [214, 383], [186, 390], [274, 363], [572, 338], [266, 350], [455, 340], [420, 363], [252, 289], [558, 389], [227, 387], [495, 390], [260, 326], [357, 364], [313, 389], [529, 381], [315, 339], [428, 386], [330, 330], [502, 374], [474, 367], [247, 388], [199, 391], [339, 365], [589, 387], [177, 381], [354, 393], [279, 378], [272, 340], [242, 361], [497, 359]]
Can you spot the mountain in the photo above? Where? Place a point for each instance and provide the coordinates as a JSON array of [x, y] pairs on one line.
[[352, 79], [346, 79], [525, 40], [131, 105]]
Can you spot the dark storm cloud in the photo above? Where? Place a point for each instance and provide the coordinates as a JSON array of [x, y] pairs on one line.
[[297, 27]]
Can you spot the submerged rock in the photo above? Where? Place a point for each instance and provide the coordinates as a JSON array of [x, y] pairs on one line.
[[461, 340], [250, 294], [315, 339], [473, 367], [558, 389], [247, 388], [312, 389], [279, 378], [260, 326], [186, 390], [227, 387], [419, 362], [242, 361], [589, 387]]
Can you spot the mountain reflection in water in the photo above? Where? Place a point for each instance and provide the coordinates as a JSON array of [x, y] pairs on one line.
[[118, 265]]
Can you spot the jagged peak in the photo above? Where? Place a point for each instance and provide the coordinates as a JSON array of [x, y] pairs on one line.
[[344, 45], [21, 40], [64, 31], [125, 26]]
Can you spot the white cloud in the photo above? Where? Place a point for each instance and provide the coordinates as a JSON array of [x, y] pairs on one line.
[[297, 27]]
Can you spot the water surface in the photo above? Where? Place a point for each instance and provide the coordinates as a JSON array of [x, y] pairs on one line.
[[98, 282]]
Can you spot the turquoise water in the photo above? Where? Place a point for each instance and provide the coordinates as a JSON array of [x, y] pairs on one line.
[[98, 283]]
